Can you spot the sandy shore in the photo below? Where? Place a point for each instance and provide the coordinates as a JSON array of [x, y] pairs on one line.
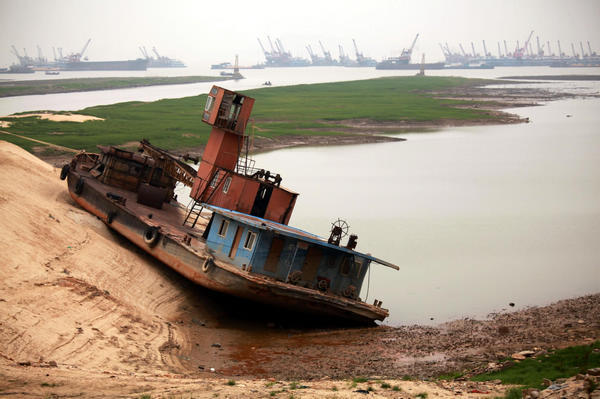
[[85, 313]]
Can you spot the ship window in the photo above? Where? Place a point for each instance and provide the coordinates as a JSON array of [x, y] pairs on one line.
[[250, 239], [210, 101], [215, 179], [223, 228], [345, 266], [358, 266], [226, 185]]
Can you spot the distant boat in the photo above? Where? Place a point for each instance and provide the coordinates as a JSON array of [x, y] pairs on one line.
[[394, 63], [17, 69], [139, 64], [52, 73]]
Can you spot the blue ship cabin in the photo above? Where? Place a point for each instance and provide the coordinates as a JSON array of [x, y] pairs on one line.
[[286, 253]]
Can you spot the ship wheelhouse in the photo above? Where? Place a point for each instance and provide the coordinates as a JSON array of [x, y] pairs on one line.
[[285, 253]]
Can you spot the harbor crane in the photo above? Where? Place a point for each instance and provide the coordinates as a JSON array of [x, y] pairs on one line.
[[344, 59], [485, 52], [473, 48], [266, 53], [560, 53], [520, 52], [24, 60], [76, 57], [326, 54], [408, 52], [313, 57], [271, 44]]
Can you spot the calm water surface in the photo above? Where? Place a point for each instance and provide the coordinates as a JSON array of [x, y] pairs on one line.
[[476, 217]]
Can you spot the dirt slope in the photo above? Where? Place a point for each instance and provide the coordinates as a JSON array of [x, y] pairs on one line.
[[69, 294]]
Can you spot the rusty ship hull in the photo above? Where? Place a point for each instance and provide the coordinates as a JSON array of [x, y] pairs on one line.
[[234, 235], [193, 260]]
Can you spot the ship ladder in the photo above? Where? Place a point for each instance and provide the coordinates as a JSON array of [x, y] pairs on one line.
[[194, 211], [195, 208]]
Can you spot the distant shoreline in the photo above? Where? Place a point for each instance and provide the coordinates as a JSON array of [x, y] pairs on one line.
[[555, 77], [54, 86]]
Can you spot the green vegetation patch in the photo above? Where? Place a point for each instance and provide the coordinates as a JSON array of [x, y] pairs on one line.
[[562, 363], [319, 109]]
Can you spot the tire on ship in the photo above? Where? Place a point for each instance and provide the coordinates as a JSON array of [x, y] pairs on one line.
[[350, 292], [206, 266], [151, 236], [79, 186], [323, 285], [64, 171]]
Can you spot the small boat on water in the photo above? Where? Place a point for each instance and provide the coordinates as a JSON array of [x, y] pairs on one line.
[[234, 235]]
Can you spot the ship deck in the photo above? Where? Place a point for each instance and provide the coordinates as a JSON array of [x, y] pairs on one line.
[[170, 218]]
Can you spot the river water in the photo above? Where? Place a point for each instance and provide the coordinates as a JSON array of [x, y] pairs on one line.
[[476, 217]]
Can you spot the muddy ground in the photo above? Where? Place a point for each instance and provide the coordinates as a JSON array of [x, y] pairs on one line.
[[85, 313]]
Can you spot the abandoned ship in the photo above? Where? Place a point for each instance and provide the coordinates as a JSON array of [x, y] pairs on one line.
[[234, 236]]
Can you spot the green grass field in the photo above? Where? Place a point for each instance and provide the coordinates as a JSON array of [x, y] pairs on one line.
[[28, 87], [562, 363], [318, 109]]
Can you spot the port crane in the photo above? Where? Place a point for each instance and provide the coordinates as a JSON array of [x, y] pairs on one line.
[[313, 57], [144, 52], [158, 57], [359, 55], [265, 52], [76, 57], [408, 52], [520, 52], [344, 59], [16, 54], [326, 53]]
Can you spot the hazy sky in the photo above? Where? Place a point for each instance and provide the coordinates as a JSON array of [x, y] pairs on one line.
[[205, 32]]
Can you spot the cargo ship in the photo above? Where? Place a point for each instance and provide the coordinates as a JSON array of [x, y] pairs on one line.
[[234, 235], [17, 69], [394, 63], [278, 57], [127, 65], [403, 61], [160, 61]]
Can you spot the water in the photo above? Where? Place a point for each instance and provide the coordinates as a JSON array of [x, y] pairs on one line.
[[476, 217], [254, 78]]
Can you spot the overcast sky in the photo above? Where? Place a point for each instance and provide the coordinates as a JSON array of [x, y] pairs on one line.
[[205, 32]]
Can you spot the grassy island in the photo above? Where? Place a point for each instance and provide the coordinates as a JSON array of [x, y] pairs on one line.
[[393, 104]]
